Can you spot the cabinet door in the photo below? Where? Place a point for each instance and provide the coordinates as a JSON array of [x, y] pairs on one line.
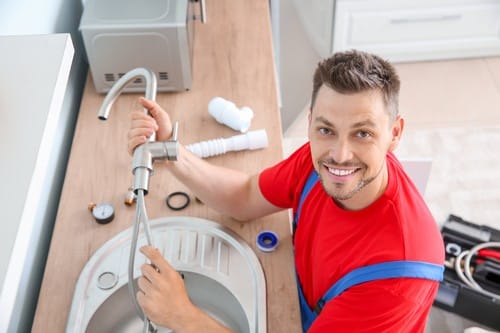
[[34, 72], [418, 30]]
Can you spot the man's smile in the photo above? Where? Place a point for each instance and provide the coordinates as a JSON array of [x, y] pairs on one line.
[[341, 172]]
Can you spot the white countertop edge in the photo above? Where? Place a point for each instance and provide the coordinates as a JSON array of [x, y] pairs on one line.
[[27, 230]]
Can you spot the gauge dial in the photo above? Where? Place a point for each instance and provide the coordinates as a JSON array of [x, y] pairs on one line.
[[103, 213]]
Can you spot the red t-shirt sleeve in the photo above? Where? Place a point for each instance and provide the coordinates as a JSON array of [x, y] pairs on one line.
[[283, 182], [391, 305]]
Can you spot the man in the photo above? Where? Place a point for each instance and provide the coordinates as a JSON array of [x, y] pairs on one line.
[[363, 211]]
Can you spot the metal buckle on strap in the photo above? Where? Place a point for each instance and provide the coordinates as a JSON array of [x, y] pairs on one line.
[[319, 306], [294, 229]]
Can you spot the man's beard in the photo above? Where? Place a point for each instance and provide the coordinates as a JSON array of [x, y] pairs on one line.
[[363, 182]]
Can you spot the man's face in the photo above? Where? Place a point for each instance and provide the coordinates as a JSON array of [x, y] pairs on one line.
[[350, 135]]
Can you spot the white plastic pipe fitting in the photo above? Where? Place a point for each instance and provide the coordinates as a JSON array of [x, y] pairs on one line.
[[251, 140], [226, 112]]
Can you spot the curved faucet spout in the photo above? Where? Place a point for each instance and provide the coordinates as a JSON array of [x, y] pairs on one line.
[[116, 90], [142, 167]]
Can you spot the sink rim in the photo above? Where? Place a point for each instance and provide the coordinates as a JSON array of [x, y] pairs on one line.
[[77, 317]]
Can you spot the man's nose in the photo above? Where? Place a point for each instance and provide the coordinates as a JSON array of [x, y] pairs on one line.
[[341, 151]]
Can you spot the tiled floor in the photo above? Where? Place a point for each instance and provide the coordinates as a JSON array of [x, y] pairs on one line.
[[452, 112]]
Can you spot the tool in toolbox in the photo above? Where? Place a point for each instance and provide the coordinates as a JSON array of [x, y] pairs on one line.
[[471, 284]]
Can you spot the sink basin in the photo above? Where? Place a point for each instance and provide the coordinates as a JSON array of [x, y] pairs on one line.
[[222, 275]]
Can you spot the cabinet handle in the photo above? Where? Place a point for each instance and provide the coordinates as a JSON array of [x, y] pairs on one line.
[[429, 18]]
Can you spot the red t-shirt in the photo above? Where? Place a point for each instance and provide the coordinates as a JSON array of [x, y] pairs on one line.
[[331, 241]]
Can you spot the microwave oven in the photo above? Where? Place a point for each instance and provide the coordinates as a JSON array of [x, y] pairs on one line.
[[120, 35]]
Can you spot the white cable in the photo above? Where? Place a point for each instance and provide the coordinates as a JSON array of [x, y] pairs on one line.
[[467, 277], [458, 269]]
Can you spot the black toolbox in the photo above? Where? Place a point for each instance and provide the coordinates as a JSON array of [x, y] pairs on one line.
[[456, 296]]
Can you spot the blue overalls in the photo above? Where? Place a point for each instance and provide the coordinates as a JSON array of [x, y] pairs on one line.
[[384, 270]]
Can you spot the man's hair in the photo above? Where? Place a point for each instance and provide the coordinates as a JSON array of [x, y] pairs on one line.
[[356, 71]]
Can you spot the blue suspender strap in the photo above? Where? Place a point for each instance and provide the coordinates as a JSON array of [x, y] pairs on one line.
[[386, 270], [306, 314], [311, 181]]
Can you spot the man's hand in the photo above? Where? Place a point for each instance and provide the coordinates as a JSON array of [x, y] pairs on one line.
[[163, 298], [162, 294], [143, 125]]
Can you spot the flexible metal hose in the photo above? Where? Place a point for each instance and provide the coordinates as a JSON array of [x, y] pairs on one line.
[[140, 216]]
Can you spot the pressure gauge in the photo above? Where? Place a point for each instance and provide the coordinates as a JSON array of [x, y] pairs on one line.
[[103, 212]]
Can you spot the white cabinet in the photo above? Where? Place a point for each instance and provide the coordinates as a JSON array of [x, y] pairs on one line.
[[33, 75], [404, 30]]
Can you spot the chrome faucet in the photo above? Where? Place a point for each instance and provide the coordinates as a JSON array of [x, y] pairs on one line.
[[142, 168], [117, 88], [147, 153]]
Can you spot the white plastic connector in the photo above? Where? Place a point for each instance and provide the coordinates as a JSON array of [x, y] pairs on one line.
[[226, 112], [251, 140]]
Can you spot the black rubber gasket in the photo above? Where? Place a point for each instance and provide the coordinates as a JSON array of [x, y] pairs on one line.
[[177, 194]]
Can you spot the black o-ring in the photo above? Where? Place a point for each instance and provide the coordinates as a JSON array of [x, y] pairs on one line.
[[175, 194]]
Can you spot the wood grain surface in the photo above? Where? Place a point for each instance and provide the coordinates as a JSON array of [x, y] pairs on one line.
[[233, 58]]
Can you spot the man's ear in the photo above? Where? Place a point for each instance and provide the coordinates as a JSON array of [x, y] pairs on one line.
[[396, 132]]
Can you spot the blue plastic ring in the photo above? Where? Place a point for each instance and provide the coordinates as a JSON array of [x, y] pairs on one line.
[[267, 241]]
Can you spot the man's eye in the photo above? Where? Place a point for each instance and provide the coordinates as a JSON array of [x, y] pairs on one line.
[[324, 131], [363, 134]]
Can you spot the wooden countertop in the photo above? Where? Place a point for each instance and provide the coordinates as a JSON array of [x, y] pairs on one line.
[[233, 58]]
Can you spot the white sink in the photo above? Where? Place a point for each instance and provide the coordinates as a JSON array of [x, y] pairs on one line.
[[222, 275]]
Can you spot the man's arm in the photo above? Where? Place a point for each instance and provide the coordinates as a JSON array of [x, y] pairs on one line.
[[228, 191], [389, 305]]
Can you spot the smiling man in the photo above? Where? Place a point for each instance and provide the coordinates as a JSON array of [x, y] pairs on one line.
[[364, 213], [368, 252], [350, 135]]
